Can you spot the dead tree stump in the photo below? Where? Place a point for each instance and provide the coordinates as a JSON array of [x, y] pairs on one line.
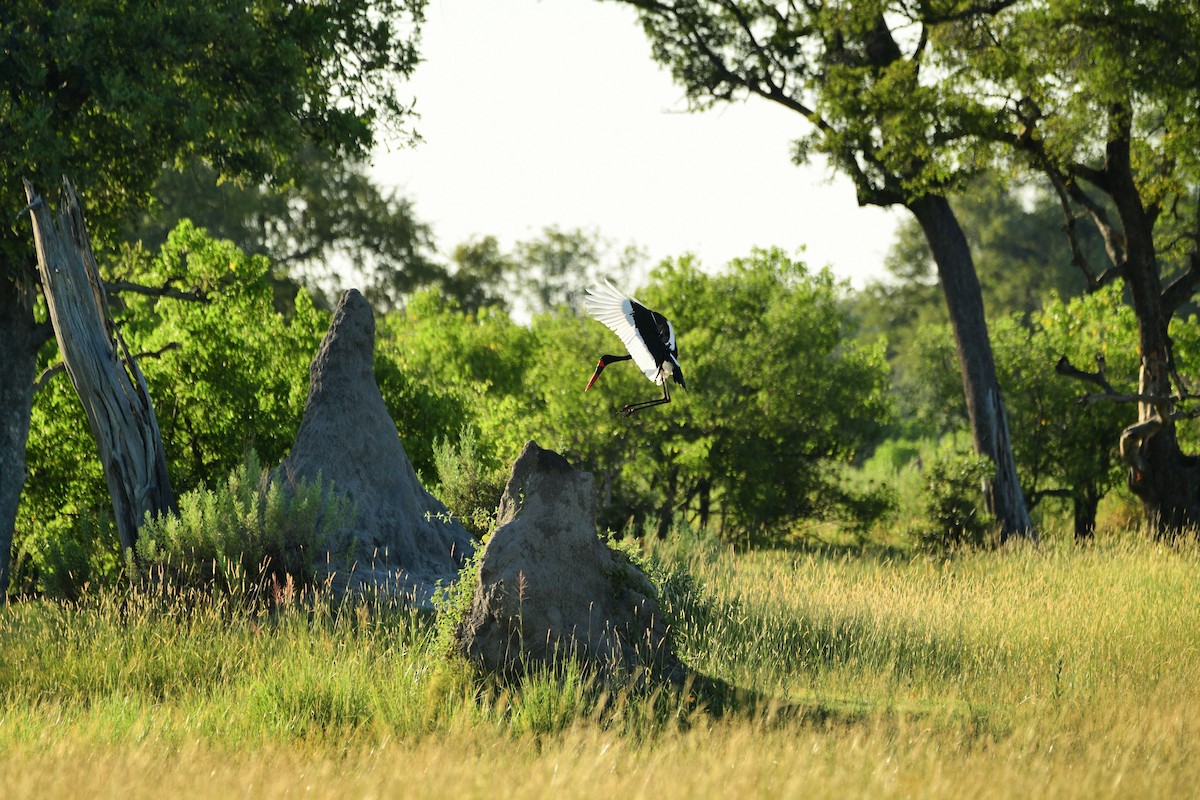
[[105, 376]]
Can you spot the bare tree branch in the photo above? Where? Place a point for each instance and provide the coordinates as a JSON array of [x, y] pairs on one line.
[[55, 369], [1183, 287], [1064, 367], [166, 290]]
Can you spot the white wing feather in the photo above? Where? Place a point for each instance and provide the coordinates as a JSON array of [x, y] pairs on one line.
[[611, 306]]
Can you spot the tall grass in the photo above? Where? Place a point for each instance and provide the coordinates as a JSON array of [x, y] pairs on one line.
[[1049, 671]]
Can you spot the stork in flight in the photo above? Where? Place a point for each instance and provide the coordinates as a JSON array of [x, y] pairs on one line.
[[648, 336]]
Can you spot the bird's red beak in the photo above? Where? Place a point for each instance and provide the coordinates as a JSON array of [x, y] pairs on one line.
[[599, 368]]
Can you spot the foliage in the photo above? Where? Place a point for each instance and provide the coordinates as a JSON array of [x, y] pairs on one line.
[[879, 108], [549, 272], [227, 373], [68, 556], [481, 271], [883, 110], [558, 266], [952, 487], [1062, 448], [254, 532], [785, 396], [453, 602], [1021, 257], [469, 484], [441, 369], [329, 214], [778, 396], [1100, 100], [108, 93], [239, 378]]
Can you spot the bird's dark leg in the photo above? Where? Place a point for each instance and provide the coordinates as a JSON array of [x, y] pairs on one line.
[[627, 410]]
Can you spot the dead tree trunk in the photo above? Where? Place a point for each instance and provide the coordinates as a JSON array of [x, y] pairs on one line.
[[107, 379]]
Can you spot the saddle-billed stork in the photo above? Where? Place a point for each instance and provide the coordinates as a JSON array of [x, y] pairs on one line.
[[648, 336]]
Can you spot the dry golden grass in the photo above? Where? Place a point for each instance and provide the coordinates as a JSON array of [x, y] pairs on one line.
[[1048, 672]]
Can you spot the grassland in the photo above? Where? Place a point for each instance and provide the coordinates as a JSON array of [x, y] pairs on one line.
[[1048, 672]]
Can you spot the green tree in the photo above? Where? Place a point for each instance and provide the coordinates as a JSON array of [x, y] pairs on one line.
[[230, 375], [563, 264], [1063, 448], [557, 267], [1102, 99], [108, 93], [328, 225], [442, 369], [868, 78], [481, 270], [778, 398], [1022, 258]]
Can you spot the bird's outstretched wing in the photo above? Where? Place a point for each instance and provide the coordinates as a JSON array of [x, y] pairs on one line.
[[614, 308]]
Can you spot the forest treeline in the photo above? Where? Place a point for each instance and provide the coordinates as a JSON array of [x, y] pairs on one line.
[[1050, 193], [810, 401]]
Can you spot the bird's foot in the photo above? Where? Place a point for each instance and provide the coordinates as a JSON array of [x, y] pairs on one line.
[[627, 410]]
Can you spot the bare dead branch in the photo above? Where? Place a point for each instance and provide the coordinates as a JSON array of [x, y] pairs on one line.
[[1132, 439], [1065, 367], [55, 369], [166, 290]]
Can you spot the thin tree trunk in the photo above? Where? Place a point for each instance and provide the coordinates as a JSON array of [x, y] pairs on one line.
[[18, 363], [985, 406], [109, 383], [1084, 507]]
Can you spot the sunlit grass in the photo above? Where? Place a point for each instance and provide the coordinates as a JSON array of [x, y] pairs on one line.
[[1048, 671]]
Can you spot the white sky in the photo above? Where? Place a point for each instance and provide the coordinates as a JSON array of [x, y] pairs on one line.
[[551, 112]]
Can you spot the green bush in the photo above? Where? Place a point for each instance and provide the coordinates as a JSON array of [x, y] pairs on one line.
[[254, 532], [470, 487], [67, 556], [952, 489]]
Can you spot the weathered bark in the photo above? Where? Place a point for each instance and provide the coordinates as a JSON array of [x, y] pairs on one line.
[[109, 383], [1165, 479], [20, 340], [985, 406]]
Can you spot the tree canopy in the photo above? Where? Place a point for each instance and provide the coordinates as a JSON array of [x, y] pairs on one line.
[[1101, 98], [109, 92], [870, 79]]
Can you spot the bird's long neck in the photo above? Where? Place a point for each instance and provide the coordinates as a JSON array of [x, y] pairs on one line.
[[605, 360]]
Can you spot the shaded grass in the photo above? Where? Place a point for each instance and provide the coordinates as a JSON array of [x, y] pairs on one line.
[[1047, 671]]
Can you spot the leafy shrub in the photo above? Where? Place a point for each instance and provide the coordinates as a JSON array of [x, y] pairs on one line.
[[685, 603], [452, 602], [251, 533], [67, 556], [469, 486], [952, 487]]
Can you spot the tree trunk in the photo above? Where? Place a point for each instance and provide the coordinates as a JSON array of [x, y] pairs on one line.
[[109, 383], [666, 514], [1084, 507], [985, 407], [1165, 479], [18, 362]]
